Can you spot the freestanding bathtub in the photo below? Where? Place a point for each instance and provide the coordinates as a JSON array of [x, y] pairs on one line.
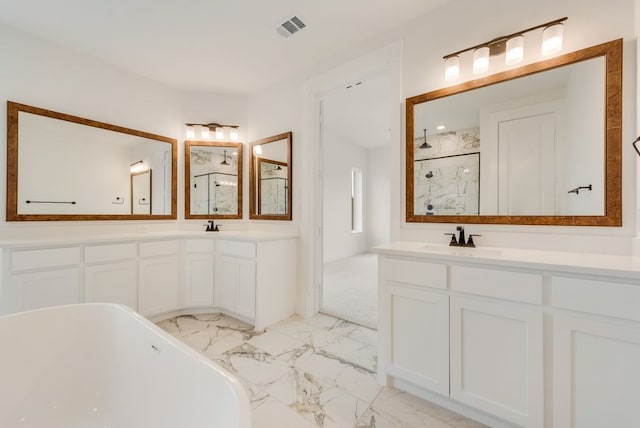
[[104, 366]]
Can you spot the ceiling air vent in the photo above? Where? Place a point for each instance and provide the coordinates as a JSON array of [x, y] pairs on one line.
[[290, 27]]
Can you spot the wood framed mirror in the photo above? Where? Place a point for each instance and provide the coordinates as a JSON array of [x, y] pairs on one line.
[[213, 180], [537, 145], [62, 167], [270, 186]]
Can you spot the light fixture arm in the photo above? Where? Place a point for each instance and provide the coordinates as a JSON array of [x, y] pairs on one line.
[[507, 37]]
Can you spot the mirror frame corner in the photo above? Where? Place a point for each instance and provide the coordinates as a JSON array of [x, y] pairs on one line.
[[253, 191], [612, 113], [187, 178]]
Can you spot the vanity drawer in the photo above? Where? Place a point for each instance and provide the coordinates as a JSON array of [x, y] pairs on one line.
[[596, 297], [414, 272], [516, 286], [42, 259], [160, 248], [199, 245], [111, 252], [236, 248]]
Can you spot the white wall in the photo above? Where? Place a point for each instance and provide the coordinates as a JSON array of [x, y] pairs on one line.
[[339, 157], [38, 73], [377, 190]]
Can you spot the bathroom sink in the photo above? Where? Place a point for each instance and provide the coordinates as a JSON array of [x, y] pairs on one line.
[[461, 251]]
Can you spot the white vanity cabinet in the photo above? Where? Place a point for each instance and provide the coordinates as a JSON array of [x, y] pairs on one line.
[[255, 280], [530, 341], [158, 279], [417, 313], [248, 274], [39, 278], [596, 353], [111, 274], [236, 278], [199, 273]]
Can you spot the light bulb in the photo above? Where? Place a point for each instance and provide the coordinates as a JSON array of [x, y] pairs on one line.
[[515, 50], [481, 60], [191, 131], [204, 132], [451, 68], [552, 39], [257, 150], [219, 132], [234, 133]]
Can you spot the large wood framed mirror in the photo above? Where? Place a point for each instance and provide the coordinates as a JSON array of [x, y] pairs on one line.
[[537, 145], [64, 167], [213, 180], [270, 178]]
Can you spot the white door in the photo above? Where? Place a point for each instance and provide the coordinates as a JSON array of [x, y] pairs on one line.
[[595, 373], [419, 348], [43, 289], [497, 359], [112, 283], [246, 288], [199, 280], [158, 292], [226, 279], [526, 165]]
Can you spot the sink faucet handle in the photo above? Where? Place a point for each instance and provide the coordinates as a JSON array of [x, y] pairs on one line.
[[470, 242], [454, 241]]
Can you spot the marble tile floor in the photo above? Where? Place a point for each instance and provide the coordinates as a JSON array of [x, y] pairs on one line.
[[350, 288], [310, 373]]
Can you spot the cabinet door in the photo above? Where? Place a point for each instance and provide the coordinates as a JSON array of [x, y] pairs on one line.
[[158, 285], [42, 289], [419, 346], [596, 373], [226, 275], [112, 283], [199, 280], [497, 359], [246, 288]]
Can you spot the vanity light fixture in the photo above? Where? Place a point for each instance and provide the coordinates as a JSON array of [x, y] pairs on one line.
[[206, 129], [137, 167], [257, 150], [512, 45]]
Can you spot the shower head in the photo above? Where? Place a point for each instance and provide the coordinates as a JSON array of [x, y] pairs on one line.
[[224, 162], [425, 145]]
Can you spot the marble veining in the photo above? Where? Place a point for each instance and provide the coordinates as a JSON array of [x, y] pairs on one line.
[[305, 373]]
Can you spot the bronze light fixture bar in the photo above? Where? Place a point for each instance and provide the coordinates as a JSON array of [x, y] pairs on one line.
[[207, 128]]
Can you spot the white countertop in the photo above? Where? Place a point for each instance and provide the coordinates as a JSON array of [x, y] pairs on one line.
[[583, 263], [76, 239]]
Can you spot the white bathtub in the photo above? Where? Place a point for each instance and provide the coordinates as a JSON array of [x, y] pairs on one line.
[[104, 366]]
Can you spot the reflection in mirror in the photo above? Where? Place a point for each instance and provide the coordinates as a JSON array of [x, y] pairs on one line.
[[272, 191], [270, 178], [514, 147], [63, 167], [141, 192], [213, 179]]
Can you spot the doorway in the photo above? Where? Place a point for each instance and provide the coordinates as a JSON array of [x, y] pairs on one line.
[[355, 148]]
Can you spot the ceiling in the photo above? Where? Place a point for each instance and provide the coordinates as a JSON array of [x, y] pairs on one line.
[[211, 45]]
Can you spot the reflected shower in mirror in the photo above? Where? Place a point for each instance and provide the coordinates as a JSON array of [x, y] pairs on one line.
[[270, 178], [213, 180], [510, 148], [63, 167]]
